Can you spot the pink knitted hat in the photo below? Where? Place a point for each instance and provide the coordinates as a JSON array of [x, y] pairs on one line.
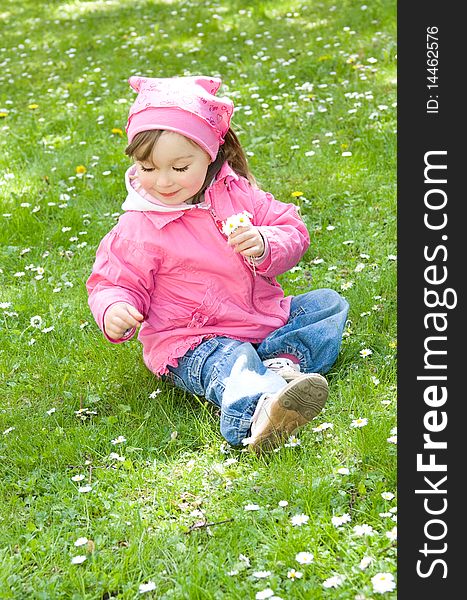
[[186, 105]]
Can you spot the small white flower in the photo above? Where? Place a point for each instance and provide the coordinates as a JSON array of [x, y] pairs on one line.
[[251, 507], [293, 574], [338, 521], [293, 441], [392, 535], [239, 220], [366, 352], [147, 587], [359, 422], [9, 430], [323, 426], [82, 541], [119, 440], [347, 285], [334, 581], [387, 495], [48, 329], [304, 558], [375, 380], [267, 593], [392, 439], [261, 574], [116, 456], [77, 478], [36, 321], [77, 560], [365, 562], [244, 559], [343, 471], [84, 489], [346, 153], [283, 503], [383, 582], [51, 411], [372, 60], [298, 520], [392, 257], [155, 393], [362, 530]]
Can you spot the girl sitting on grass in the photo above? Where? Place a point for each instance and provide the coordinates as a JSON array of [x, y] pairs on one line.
[[193, 259]]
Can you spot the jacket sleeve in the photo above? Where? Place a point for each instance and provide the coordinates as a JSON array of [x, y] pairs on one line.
[[286, 235], [121, 273]]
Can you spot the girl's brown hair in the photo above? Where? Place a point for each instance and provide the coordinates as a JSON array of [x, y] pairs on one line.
[[231, 151]]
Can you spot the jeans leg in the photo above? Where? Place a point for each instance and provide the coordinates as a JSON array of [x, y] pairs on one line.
[[313, 332], [230, 374]]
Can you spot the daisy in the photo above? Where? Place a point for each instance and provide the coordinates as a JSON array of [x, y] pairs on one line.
[[261, 574], [84, 489], [365, 562], [359, 422], [392, 535], [362, 530], [293, 574], [334, 581], [267, 593], [293, 441], [300, 520], [119, 440], [77, 560], [365, 352], [147, 587], [81, 541], [387, 495], [343, 471], [338, 521], [323, 426], [283, 503], [383, 582], [36, 321], [77, 478], [304, 558], [251, 507]]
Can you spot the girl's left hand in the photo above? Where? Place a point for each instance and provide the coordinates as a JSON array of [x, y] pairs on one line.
[[247, 241]]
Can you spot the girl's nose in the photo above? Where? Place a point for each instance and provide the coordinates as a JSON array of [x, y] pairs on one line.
[[163, 180]]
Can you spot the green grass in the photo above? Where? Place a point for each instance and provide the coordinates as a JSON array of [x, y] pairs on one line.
[[73, 60]]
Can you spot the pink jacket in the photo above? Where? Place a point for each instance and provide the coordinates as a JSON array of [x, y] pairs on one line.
[[177, 269]]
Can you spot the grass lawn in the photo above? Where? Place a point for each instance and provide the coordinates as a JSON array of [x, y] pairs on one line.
[[99, 459]]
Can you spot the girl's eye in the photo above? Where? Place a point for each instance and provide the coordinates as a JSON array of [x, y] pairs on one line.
[[146, 170], [181, 169]]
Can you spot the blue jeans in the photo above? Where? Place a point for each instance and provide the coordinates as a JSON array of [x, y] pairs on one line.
[[231, 375]]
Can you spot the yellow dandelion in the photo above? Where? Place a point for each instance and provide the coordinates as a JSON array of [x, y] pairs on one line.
[[3, 115], [33, 106], [117, 131], [344, 146], [324, 57], [81, 169], [296, 194]]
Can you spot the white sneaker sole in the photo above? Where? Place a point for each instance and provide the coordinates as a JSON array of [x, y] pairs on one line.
[[294, 406]]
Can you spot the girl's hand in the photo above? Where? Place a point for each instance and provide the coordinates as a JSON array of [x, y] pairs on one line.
[[247, 241], [120, 317]]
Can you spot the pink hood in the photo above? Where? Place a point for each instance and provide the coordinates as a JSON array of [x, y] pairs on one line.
[[176, 268]]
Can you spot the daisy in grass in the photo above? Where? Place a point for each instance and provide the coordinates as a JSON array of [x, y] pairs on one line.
[[119, 440], [362, 530], [251, 507], [383, 582], [365, 562], [298, 520], [77, 560], [293, 574], [304, 558], [359, 422], [366, 352], [261, 574], [82, 541], [338, 521], [334, 581], [323, 427], [147, 587]]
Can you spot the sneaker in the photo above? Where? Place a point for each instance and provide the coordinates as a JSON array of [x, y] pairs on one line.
[[284, 367], [279, 415]]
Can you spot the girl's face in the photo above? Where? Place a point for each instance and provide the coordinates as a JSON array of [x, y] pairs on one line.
[[176, 170]]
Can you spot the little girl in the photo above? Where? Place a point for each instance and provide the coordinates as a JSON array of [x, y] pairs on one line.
[[193, 259]]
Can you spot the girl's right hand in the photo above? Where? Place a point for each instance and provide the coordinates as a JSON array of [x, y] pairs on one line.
[[119, 318]]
